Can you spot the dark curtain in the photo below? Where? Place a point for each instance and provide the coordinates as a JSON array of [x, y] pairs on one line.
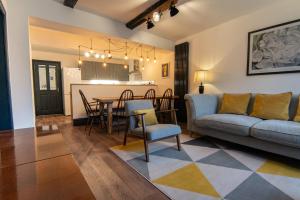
[[181, 78], [5, 101]]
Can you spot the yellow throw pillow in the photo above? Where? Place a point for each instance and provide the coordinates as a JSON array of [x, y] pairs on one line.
[[297, 117], [272, 106], [235, 103], [150, 117]]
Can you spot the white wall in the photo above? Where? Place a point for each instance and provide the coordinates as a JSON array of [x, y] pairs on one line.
[[19, 45], [223, 49]]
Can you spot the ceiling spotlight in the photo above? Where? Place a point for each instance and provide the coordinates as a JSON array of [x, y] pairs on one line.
[[87, 54], [156, 16], [103, 56], [97, 55], [173, 10], [149, 24], [104, 64]]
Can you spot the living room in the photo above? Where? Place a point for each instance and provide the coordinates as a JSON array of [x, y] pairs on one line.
[[185, 99]]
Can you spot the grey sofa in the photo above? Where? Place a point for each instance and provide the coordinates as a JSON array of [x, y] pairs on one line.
[[276, 136]]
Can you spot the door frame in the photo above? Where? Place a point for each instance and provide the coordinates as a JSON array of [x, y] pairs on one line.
[[59, 81], [8, 88]]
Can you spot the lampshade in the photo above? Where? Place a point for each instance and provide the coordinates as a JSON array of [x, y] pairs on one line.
[[200, 76]]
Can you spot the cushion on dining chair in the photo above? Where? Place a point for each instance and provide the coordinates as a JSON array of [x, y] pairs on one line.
[[158, 131]]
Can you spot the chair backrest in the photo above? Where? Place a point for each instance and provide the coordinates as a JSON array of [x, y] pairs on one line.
[[165, 102], [86, 104], [131, 106], [126, 95], [150, 94]]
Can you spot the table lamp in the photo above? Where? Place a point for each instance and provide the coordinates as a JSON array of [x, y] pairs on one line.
[[199, 77]]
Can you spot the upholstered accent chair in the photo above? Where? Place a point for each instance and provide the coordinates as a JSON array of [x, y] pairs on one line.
[[149, 133]]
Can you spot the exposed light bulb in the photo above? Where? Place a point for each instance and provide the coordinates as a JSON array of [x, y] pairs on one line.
[[91, 51], [103, 56], [104, 64], [148, 59], [156, 16], [109, 55], [125, 66], [87, 54], [79, 62], [97, 55], [154, 60], [141, 59], [126, 57], [143, 68]]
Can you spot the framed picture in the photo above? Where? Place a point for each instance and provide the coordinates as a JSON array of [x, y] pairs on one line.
[[165, 70], [274, 49]]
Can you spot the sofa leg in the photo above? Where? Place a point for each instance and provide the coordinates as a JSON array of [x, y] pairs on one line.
[[146, 150], [178, 142]]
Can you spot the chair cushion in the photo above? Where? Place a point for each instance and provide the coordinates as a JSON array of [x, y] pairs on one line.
[[235, 104], [159, 131], [230, 123], [282, 132], [297, 117], [150, 117]]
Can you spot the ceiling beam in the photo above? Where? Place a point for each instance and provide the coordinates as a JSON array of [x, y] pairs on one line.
[[142, 18], [70, 3]]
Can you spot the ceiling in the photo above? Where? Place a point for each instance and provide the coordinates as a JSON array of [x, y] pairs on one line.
[[194, 16]]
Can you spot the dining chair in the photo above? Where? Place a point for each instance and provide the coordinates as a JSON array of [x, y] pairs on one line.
[[94, 111], [150, 94], [166, 100], [119, 112], [149, 133]]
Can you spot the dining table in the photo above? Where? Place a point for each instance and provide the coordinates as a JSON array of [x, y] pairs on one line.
[[109, 101]]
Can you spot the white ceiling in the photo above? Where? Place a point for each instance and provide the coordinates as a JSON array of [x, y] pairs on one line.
[[194, 16]]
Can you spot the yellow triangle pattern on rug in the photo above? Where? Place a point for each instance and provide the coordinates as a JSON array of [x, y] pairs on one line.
[[136, 146], [188, 178], [281, 169]]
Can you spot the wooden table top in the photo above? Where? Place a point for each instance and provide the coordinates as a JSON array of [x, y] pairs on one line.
[[112, 99]]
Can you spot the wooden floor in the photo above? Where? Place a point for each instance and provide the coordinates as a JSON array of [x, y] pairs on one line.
[[107, 175]]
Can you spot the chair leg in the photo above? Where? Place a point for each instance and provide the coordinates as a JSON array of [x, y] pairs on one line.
[[178, 142], [146, 150], [87, 123], [91, 126]]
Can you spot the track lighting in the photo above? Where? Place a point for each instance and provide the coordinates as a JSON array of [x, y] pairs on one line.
[[149, 24], [173, 10]]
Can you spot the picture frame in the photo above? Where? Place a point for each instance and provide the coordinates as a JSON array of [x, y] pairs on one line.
[[274, 50], [165, 70]]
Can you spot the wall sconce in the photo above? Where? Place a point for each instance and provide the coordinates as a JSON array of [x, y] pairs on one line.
[[199, 77]]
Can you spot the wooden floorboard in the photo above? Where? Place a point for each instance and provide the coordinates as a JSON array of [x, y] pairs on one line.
[[108, 176]]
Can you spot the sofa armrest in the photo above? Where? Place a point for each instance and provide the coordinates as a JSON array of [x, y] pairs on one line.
[[199, 106]]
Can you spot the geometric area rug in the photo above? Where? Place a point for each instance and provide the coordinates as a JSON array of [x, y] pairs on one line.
[[209, 169]]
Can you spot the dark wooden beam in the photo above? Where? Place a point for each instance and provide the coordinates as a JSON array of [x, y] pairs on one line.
[[142, 18], [70, 3]]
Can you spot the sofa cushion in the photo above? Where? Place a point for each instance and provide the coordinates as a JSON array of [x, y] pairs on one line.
[[159, 131], [230, 123], [282, 132]]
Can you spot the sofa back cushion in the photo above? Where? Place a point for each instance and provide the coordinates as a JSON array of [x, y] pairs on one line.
[[235, 104], [297, 116], [272, 106]]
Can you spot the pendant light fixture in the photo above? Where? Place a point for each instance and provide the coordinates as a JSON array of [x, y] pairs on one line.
[[126, 56], [79, 59], [141, 58], [109, 53], [154, 60]]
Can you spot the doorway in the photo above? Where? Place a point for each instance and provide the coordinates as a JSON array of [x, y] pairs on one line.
[[5, 101], [47, 87]]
